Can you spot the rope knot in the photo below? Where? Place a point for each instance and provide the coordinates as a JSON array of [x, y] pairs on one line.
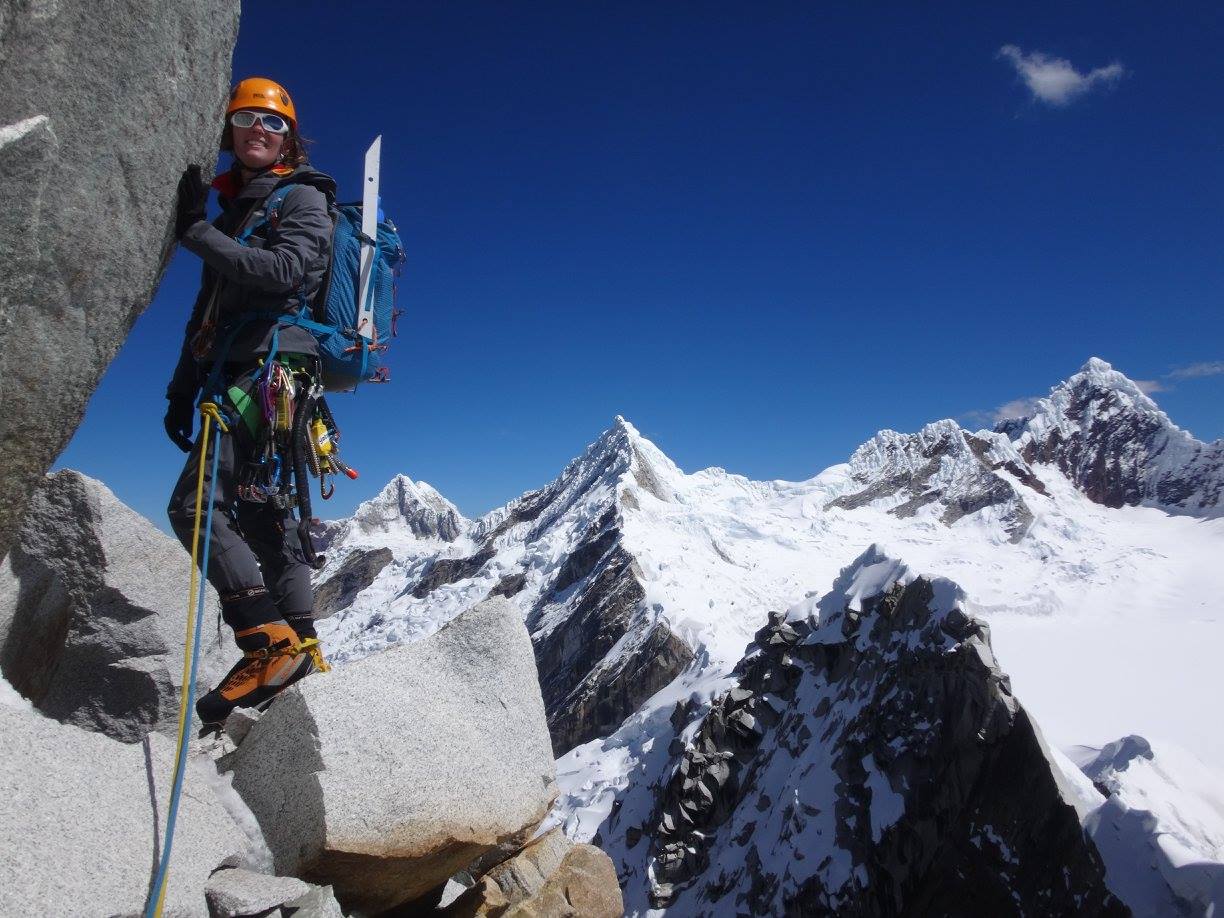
[[210, 410]]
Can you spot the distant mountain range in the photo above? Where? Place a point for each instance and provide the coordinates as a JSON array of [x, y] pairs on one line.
[[1083, 534]]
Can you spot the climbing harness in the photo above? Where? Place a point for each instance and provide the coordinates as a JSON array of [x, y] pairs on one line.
[[191, 657]]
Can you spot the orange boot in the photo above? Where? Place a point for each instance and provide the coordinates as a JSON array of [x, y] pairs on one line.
[[272, 660]]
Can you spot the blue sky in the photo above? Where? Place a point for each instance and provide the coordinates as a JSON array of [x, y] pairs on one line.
[[761, 232]]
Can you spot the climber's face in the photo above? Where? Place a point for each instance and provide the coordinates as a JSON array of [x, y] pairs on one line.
[[255, 146]]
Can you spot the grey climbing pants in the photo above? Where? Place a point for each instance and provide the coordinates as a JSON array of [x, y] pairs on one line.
[[252, 544]]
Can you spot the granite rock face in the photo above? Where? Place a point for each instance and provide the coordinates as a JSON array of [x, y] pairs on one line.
[[93, 605], [1108, 436], [82, 827], [386, 776], [873, 763], [233, 892], [86, 206], [584, 883]]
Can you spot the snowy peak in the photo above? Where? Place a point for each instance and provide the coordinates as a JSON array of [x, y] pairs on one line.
[[619, 462], [624, 453], [412, 507], [1113, 442], [1099, 374], [943, 468]]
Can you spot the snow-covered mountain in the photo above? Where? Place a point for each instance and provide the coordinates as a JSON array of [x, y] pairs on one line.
[[1109, 438], [960, 473], [642, 585], [405, 510], [557, 552]]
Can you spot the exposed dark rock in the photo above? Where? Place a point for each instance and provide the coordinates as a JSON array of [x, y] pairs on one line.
[[86, 214], [509, 586], [984, 451], [599, 704], [451, 570], [582, 560], [525, 509], [922, 787], [585, 697], [358, 571], [567, 653]]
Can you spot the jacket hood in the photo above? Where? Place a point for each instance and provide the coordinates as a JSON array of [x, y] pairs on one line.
[[307, 174], [229, 183]]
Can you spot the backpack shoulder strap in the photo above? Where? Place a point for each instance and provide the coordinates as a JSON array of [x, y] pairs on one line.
[[271, 212]]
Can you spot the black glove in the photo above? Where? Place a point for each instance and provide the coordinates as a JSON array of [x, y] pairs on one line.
[[180, 419], [192, 201]]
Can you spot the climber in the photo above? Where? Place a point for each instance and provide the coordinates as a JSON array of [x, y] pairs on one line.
[[254, 269]]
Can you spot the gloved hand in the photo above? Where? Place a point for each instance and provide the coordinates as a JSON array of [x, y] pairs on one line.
[[180, 419], [192, 201]]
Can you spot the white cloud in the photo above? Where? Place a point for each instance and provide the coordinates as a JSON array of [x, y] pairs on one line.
[[1054, 80], [1150, 386], [976, 418], [1198, 370], [1016, 408]]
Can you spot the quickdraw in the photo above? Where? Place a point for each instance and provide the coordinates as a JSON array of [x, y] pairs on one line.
[[298, 436]]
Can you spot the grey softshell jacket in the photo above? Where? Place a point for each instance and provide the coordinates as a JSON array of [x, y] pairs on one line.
[[269, 275]]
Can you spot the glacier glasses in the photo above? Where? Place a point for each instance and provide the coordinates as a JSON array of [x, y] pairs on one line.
[[273, 124]]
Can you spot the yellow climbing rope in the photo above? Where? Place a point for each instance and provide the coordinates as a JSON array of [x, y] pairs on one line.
[[210, 413]]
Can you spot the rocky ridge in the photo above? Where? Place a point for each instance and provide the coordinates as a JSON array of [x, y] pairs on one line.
[[872, 760], [622, 542], [360, 569]]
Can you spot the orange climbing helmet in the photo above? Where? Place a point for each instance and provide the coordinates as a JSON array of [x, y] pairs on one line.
[[262, 94]]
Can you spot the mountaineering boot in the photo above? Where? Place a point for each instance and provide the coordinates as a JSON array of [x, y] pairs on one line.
[[302, 623], [272, 660]]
